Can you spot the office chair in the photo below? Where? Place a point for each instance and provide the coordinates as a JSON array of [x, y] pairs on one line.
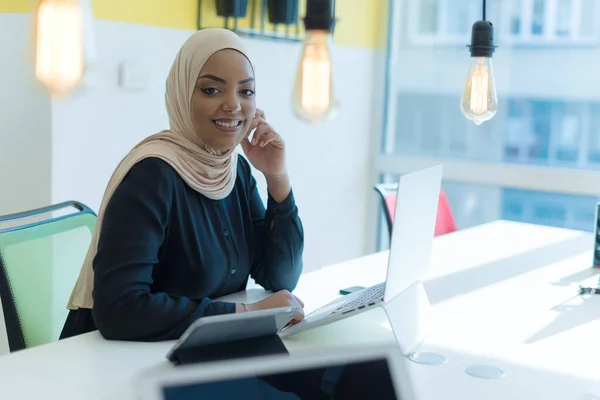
[[445, 220], [41, 253]]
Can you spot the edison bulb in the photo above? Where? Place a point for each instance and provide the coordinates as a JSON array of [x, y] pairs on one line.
[[479, 101], [59, 53], [313, 100]]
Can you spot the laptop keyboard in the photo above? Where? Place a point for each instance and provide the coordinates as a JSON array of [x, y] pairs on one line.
[[367, 296]]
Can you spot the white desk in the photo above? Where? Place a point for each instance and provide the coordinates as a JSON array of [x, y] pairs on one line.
[[494, 287]]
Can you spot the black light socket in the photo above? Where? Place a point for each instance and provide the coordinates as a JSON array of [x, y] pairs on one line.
[[319, 15], [231, 8], [482, 39], [283, 11]]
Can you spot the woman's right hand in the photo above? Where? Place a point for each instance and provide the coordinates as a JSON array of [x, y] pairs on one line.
[[283, 298]]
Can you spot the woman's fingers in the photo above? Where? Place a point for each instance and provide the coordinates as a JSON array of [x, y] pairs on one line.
[[267, 138], [262, 129], [258, 118], [299, 316], [299, 301], [255, 123], [263, 132]]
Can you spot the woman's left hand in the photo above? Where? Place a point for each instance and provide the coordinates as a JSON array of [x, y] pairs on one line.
[[266, 151]]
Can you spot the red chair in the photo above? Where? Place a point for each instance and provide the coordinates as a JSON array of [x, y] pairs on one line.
[[445, 220]]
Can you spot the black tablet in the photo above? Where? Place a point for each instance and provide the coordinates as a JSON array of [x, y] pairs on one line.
[[220, 333]]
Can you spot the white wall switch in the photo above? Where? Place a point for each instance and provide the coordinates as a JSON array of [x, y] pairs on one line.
[[133, 76]]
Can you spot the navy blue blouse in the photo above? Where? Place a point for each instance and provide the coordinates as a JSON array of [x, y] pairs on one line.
[[166, 250]]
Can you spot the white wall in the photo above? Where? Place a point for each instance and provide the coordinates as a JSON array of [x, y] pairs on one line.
[[330, 165], [25, 128]]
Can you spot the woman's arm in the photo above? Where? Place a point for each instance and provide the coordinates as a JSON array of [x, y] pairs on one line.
[[133, 230], [280, 238]]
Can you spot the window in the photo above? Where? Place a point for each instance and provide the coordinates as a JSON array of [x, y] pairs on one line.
[[442, 21], [522, 22], [564, 17], [538, 159]]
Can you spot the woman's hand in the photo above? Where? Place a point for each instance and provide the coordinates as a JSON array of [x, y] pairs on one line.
[[266, 150], [283, 298]]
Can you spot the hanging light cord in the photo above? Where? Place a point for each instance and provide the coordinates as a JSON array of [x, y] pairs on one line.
[[484, 10]]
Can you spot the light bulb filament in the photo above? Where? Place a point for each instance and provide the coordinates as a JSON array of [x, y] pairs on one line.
[[480, 89], [479, 101], [316, 80], [313, 98]]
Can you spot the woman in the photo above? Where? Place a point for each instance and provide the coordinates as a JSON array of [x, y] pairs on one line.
[[181, 221]]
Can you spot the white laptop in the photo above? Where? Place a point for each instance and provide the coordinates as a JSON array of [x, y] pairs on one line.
[[253, 378], [410, 248]]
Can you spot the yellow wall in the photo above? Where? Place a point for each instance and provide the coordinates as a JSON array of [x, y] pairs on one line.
[[361, 23], [15, 6]]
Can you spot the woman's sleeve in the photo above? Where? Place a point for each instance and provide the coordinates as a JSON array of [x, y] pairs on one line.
[[279, 241], [133, 231]]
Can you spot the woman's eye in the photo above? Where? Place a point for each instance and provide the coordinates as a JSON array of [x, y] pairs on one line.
[[210, 90], [247, 92]]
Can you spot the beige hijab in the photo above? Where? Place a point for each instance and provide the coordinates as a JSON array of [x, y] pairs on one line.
[[207, 171]]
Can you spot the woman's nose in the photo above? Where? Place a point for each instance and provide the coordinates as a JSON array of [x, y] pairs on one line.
[[232, 104]]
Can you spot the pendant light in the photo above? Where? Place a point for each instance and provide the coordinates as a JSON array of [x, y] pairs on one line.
[[61, 30], [313, 99], [479, 101]]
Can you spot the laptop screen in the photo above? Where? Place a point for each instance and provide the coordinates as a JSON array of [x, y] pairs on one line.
[[361, 380]]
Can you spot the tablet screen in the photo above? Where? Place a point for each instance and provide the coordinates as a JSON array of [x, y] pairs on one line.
[[360, 380]]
